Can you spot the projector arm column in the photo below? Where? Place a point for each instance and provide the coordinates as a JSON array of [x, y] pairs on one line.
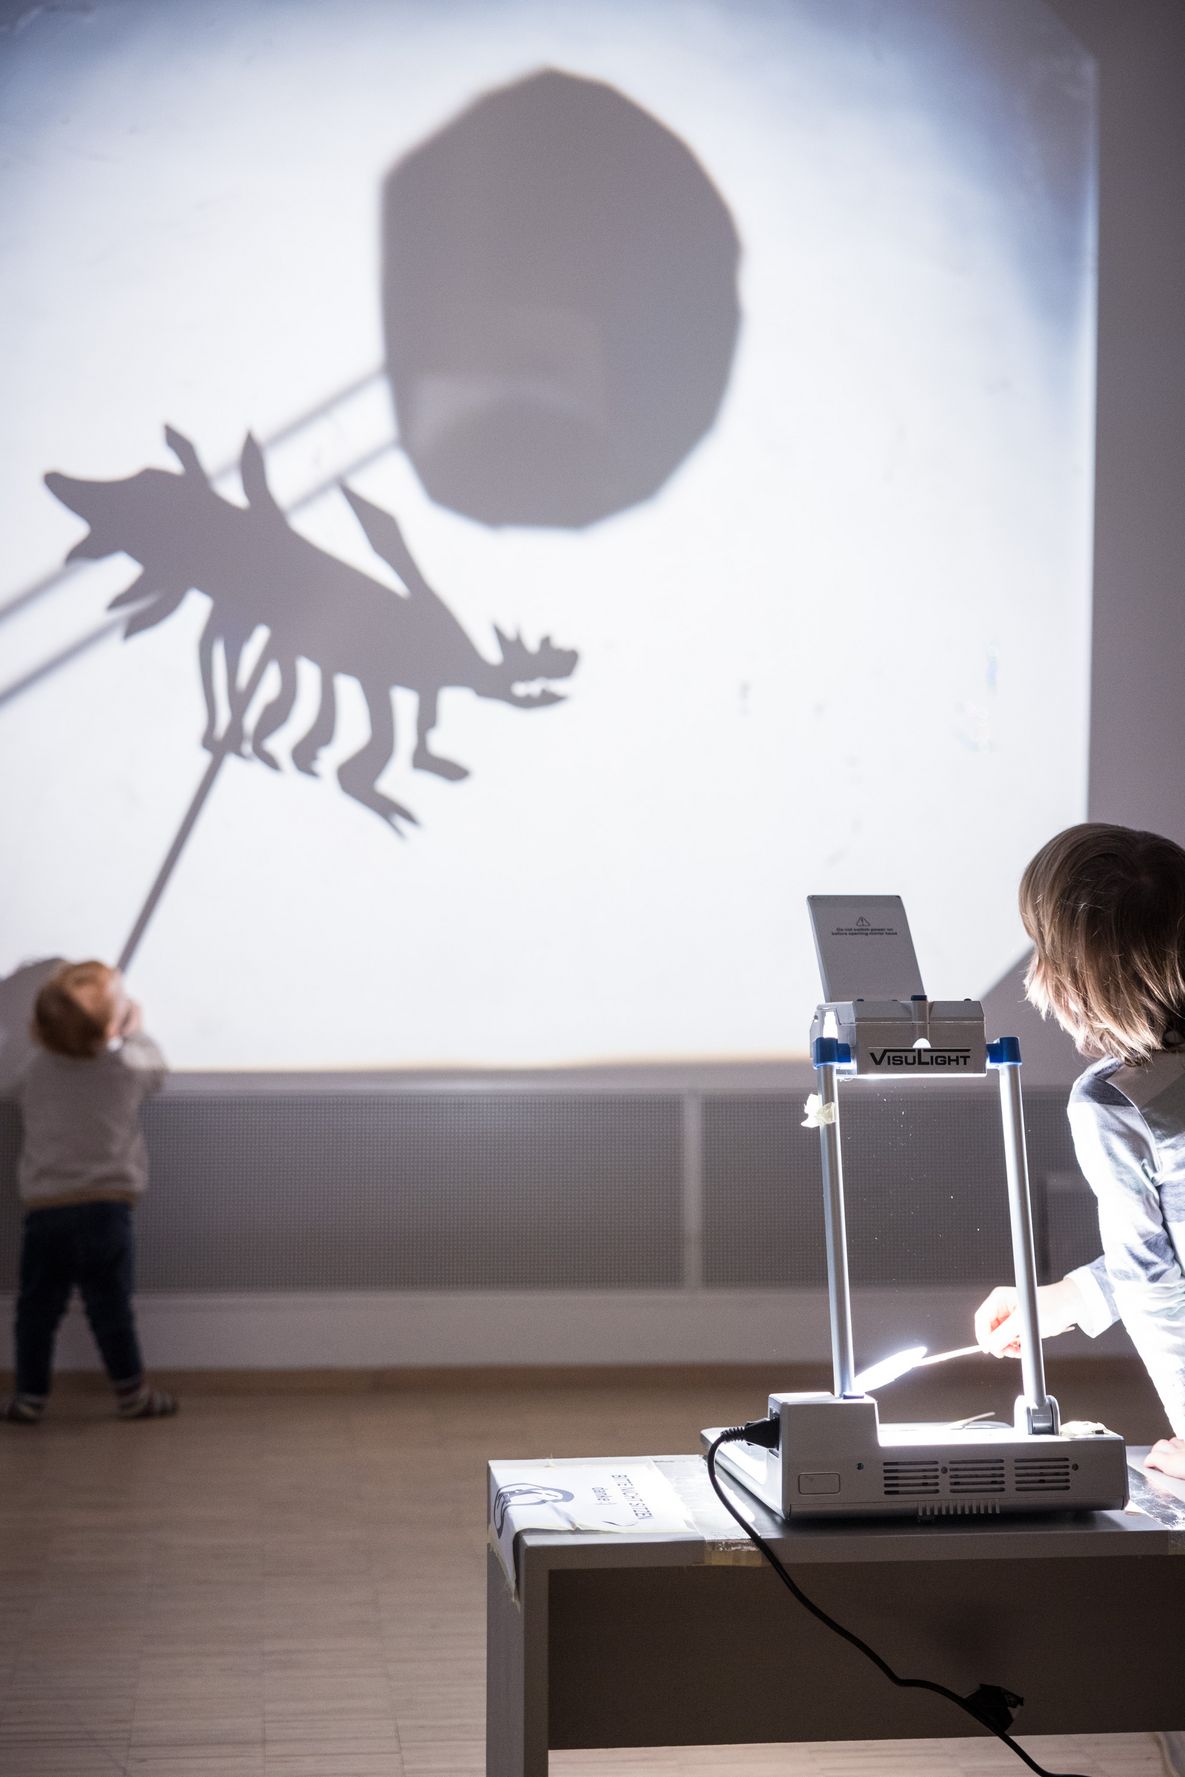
[[1036, 1411], [827, 1057]]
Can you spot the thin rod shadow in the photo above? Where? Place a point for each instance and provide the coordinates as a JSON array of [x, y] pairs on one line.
[[227, 744], [48, 667]]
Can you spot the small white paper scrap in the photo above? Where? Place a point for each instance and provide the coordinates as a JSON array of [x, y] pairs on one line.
[[604, 1495], [817, 1113]]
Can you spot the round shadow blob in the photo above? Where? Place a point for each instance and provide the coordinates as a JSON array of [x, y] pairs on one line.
[[559, 304]]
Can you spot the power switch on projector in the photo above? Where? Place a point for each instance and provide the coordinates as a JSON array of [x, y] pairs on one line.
[[818, 1483]]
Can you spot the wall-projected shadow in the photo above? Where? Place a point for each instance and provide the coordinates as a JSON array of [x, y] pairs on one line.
[[560, 313], [256, 570], [499, 302], [559, 304]]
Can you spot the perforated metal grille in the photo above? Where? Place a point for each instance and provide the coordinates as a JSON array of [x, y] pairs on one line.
[[374, 1191], [388, 1190], [924, 1184]]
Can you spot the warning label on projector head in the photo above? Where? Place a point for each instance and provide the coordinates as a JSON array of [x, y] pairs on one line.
[[864, 947]]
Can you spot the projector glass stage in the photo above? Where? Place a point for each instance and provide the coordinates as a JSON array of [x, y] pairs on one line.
[[750, 361]]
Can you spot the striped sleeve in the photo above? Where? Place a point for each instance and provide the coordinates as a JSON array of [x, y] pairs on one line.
[[1123, 1167], [1100, 1309]]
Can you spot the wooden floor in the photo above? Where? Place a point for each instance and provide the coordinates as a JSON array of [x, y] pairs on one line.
[[290, 1584]]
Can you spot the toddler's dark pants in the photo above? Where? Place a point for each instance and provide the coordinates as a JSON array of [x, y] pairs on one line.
[[91, 1247]]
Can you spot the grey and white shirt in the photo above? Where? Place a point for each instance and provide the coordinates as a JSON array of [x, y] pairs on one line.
[[1128, 1125], [82, 1140]]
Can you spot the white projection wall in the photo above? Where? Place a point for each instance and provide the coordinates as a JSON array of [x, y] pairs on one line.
[[838, 644]]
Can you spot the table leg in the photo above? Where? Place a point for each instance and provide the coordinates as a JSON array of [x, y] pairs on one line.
[[516, 1676]]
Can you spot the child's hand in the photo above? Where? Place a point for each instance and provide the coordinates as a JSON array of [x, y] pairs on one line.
[[1168, 1456], [997, 1324], [131, 1021]]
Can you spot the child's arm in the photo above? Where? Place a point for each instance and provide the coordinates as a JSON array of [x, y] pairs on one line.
[[142, 1055]]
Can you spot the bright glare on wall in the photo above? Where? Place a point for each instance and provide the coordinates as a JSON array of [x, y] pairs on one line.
[[612, 488]]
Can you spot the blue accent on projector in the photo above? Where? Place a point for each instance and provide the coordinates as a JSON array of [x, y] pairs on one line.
[[1004, 1052], [829, 1052]]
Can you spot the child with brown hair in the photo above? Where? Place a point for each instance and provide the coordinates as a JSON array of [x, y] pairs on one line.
[[83, 1166], [1105, 909]]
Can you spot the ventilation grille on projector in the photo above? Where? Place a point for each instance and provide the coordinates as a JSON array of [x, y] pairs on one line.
[[906, 1478], [959, 1508], [1042, 1474], [924, 1477], [977, 1474]]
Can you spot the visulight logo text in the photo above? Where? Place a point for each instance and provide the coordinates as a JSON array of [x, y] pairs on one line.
[[954, 1058]]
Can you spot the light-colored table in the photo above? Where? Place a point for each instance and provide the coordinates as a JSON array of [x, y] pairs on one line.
[[693, 1640]]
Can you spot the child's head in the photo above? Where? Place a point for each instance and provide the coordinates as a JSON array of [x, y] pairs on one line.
[[1105, 908], [80, 1009]]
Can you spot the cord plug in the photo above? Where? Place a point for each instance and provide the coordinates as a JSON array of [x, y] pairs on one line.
[[994, 1706], [764, 1432]]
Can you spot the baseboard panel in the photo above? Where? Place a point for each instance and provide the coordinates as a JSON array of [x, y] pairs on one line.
[[312, 1331]]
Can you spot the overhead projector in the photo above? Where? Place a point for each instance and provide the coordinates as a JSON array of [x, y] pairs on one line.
[[834, 1458]]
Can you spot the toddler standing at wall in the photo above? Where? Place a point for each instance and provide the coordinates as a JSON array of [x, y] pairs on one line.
[[83, 1166]]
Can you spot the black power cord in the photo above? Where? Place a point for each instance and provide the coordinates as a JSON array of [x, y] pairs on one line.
[[990, 1705]]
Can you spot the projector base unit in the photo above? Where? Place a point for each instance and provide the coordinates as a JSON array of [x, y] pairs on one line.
[[835, 1460]]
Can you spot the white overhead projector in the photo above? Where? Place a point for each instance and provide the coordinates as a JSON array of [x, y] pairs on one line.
[[834, 1457]]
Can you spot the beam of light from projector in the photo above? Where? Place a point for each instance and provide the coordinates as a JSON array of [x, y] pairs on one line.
[[891, 1369]]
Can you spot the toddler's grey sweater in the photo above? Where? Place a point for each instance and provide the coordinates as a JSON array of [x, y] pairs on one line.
[[82, 1137]]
